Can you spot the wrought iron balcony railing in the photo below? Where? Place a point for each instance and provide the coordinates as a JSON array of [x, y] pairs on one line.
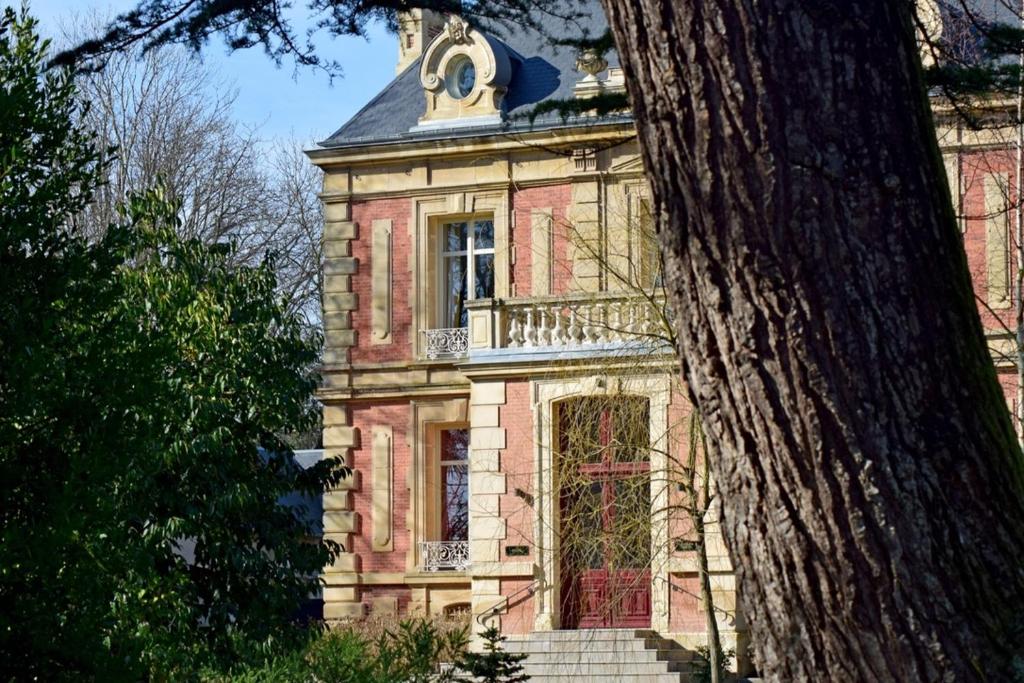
[[438, 556], [449, 342]]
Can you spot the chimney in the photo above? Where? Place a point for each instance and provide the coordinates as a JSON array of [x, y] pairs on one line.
[[416, 28]]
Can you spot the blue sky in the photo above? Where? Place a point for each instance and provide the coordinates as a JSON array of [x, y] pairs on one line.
[[280, 101]]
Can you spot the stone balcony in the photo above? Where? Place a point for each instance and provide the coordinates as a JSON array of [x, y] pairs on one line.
[[575, 325]]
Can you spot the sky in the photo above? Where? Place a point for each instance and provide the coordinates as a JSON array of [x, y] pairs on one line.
[[280, 102]]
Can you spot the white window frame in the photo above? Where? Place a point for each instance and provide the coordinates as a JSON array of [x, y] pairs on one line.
[[470, 252]]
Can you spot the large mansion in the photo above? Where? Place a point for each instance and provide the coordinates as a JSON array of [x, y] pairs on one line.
[[498, 368]]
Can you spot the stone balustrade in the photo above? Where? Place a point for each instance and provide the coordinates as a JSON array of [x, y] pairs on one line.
[[584, 322], [592, 322]]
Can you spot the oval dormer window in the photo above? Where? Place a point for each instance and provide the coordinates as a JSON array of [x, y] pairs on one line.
[[461, 77]]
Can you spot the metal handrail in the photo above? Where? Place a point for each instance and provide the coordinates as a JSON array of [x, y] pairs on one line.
[[531, 588], [689, 593]]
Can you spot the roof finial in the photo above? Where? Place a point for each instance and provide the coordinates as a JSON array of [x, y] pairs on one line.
[[591, 63]]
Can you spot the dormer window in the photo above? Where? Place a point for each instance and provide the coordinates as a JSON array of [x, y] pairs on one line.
[[465, 74], [461, 78]]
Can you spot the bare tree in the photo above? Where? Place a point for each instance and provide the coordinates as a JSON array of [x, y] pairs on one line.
[[166, 117], [293, 227], [617, 479]]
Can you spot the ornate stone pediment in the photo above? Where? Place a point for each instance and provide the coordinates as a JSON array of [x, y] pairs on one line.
[[465, 74]]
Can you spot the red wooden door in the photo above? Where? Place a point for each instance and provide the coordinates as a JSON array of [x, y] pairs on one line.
[[605, 505]]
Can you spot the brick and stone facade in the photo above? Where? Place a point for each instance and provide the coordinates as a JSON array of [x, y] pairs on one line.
[[564, 200]]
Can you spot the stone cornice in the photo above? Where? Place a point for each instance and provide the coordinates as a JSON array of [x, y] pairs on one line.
[[409, 149]]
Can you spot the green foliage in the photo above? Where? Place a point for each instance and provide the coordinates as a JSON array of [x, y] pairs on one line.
[[250, 23], [702, 664], [415, 652], [494, 664], [600, 105], [976, 55], [141, 376]]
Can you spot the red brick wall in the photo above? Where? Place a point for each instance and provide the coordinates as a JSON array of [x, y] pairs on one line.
[[976, 167], [1008, 381], [364, 213], [685, 614], [680, 525], [365, 416], [517, 464], [519, 617], [556, 198]]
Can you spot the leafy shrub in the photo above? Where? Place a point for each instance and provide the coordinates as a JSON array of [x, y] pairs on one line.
[[702, 664], [410, 651]]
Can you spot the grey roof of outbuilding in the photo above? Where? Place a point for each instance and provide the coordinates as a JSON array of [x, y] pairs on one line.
[[540, 72]]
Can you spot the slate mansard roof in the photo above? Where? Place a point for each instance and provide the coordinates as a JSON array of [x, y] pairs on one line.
[[540, 72]]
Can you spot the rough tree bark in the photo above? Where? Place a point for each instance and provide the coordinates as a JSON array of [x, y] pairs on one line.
[[871, 480]]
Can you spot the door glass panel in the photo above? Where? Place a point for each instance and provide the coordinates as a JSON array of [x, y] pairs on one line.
[[583, 538], [581, 432], [630, 433], [631, 523]]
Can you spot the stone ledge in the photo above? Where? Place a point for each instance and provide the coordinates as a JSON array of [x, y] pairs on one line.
[[503, 569]]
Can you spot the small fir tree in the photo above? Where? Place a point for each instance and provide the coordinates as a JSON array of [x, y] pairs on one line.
[[494, 664]]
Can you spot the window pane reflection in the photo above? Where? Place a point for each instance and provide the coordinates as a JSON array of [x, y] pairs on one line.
[[455, 483], [456, 292], [483, 235], [455, 237], [484, 277]]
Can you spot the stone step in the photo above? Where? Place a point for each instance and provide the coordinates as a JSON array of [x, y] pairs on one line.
[[635, 645], [590, 634], [602, 656], [596, 657], [604, 668], [623, 678]]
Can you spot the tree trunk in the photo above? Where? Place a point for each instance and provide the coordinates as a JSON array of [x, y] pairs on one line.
[[871, 480]]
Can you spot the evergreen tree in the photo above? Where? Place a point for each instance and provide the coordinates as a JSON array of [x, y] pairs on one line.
[[145, 383], [494, 664]]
